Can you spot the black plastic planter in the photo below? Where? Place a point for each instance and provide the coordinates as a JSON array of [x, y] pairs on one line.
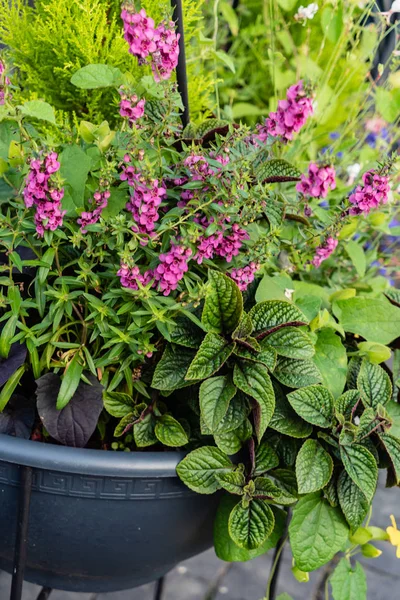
[[100, 521]]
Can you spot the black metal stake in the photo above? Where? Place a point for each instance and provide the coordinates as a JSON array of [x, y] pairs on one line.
[[159, 589], [21, 538], [278, 556], [181, 73], [44, 594]]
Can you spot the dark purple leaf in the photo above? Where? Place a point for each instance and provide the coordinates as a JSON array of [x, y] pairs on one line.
[[9, 365], [74, 424], [18, 417]]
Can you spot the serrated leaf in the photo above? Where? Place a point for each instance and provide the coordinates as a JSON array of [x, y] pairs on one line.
[[170, 372], [296, 373], [374, 384], [291, 342], [170, 432], [286, 420], [244, 328], [186, 333], [361, 467], [266, 356], [348, 583], [210, 357], [250, 526], [236, 414], [233, 481], [253, 379], [232, 441], [317, 532], [125, 424], [143, 432], [352, 501], [118, 404], [274, 211], [392, 447], [277, 170], [215, 395], [266, 490], [346, 402], [314, 467], [226, 549], [223, 306], [197, 470], [271, 315], [265, 459], [314, 404]]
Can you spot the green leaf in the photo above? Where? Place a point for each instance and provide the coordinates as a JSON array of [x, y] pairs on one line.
[[170, 432], [392, 447], [210, 357], [224, 304], [171, 370], [38, 109], [277, 170], [375, 319], [296, 373], [233, 481], [244, 328], [348, 583], [253, 379], [314, 404], [215, 395], [92, 77], [314, 467], [10, 386], [225, 547], [361, 467], [249, 526], [331, 361], [291, 342], [118, 404], [266, 490], [265, 459], [317, 532], [270, 315], [373, 384], [332, 23], [357, 257], [230, 16], [352, 501], [74, 169], [232, 441], [236, 414], [376, 353], [186, 333], [125, 424], [393, 409], [346, 402], [70, 382], [116, 203], [226, 59], [285, 419], [197, 470], [267, 356], [143, 432]]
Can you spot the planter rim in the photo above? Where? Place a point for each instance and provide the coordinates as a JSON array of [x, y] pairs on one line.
[[86, 461]]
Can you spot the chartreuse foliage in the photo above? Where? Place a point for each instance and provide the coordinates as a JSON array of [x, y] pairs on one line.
[[306, 448]]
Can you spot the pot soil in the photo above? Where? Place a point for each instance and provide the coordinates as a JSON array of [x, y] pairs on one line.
[[100, 521]]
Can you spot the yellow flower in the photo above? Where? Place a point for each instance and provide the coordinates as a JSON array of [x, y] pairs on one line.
[[394, 535]]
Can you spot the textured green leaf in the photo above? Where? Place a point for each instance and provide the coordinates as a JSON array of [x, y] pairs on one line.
[[186, 333], [224, 304], [251, 525], [348, 583], [394, 295], [232, 481], [267, 356], [314, 467], [125, 424], [210, 357], [143, 432], [393, 409], [225, 547], [346, 402], [244, 329], [314, 404], [277, 170], [215, 395], [361, 467], [392, 447], [117, 404], [197, 470], [331, 361], [286, 420], [232, 441], [375, 319], [291, 342], [170, 432], [317, 532], [296, 373], [253, 379], [270, 315], [266, 490], [352, 501], [170, 372], [265, 459], [236, 414], [274, 210], [286, 479], [374, 384]]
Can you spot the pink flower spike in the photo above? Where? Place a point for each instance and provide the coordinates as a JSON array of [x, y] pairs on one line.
[[324, 251], [319, 182], [374, 191]]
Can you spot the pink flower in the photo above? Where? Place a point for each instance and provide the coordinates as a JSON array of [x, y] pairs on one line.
[[319, 181], [290, 116], [139, 32], [165, 58], [143, 204], [100, 200], [131, 277], [44, 193], [131, 107], [245, 275], [173, 265], [225, 245], [324, 251], [374, 192]]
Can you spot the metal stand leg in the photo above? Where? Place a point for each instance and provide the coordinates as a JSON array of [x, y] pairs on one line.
[[277, 560], [44, 594], [159, 589], [181, 74], [21, 538]]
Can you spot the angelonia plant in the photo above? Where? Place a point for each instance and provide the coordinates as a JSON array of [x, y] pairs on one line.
[[165, 288]]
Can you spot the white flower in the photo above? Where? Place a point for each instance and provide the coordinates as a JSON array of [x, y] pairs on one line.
[[353, 171], [308, 12], [289, 293], [356, 420], [395, 8]]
